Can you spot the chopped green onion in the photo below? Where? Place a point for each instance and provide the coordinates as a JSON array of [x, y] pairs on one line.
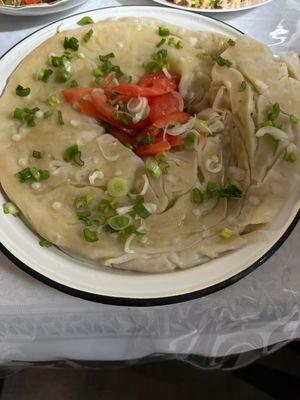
[[88, 35], [60, 119], [71, 43], [114, 204], [293, 119], [162, 160], [104, 206], [119, 222], [266, 123], [274, 144], [44, 75], [201, 55], [21, 91], [158, 62], [223, 62], [177, 44], [81, 201], [85, 21], [145, 139], [231, 42], [10, 208], [26, 114], [99, 219], [48, 114], [72, 153], [38, 174], [98, 72], [140, 209], [117, 187], [197, 196], [53, 100], [89, 197], [226, 233], [81, 55], [73, 83], [85, 217], [163, 31], [231, 189], [191, 140], [24, 175], [161, 42], [272, 113], [154, 170], [63, 75], [243, 86], [59, 61], [37, 154], [212, 189], [290, 157], [90, 236], [45, 243]]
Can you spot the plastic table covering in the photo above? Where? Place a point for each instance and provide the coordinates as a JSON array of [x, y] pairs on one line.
[[38, 323]]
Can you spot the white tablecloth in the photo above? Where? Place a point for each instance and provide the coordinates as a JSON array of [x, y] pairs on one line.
[[39, 323]]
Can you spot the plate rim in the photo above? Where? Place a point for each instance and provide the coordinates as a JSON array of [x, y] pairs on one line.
[[167, 3], [142, 302]]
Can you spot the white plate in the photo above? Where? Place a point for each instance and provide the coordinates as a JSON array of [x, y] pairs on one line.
[[41, 9], [254, 3], [82, 279]]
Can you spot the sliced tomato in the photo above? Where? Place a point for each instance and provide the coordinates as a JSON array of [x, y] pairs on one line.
[[153, 148], [122, 136], [181, 117], [149, 88], [86, 107], [148, 79], [175, 141], [163, 105], [73, 95]]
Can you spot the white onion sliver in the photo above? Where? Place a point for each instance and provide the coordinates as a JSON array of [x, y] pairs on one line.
[[137, 104], [127, 248], [95, 175], [124, 210], [151, 207], [212, 164], [167, 73], [178, 130], [180, 100], [107, 157], [276, 133]]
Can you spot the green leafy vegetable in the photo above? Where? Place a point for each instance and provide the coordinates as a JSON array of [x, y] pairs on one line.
[[73, 154], [158, 62], [26, 114], [85, 21], [34, 173], [63, 75], [88, 35], [21, 91], [71, 43], [106, 66], [163, 31]]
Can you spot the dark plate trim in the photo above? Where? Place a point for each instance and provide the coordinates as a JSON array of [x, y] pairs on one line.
[[131, 302]]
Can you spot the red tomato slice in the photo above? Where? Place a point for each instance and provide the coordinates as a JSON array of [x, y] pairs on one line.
[[156, 87], [122, 136], [73, 95], [153, 148], [175, 141], [148, 79], [163, 105], [86, 107], [181, 117]]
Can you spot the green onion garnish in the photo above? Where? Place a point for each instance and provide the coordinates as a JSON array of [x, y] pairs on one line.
[[107, 66], [85, 21], [158, 62], [45, 243], [60, 119], [145, 139], [24, 175], [53, 100], [272, 113], [190, 140], [48, 114], [98, 72], [10, 208], [140, 209], [119, 222], [223, 62], [63, 75], [177, 44], [71, 43], [44, 75], [21, 91], [293, 119], [117, 187], [82, 201], [243, 86], [290, 157], [85, 217], [104, 206], [212, 189], [197, 196], [99, 219], [114, 204], [154, 170], [73, 83], [231, 189], [72, 153], [226, 233], [231, 42], [161, 42], [26, 114], [37, 154], [88, 35], [38, 174], [162, 160], [90, 236], [163, 31], [59, 61]]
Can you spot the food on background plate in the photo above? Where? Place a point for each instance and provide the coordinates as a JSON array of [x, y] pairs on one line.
[[18, 3], [149, 151], [213, 4]]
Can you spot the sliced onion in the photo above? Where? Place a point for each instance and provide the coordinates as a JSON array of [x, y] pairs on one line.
[[276, 133], [97, 174], [180, 100], [107, 157], [124, 210], [212, 164], [151, 207], [127, 248], [167, 73], [217, 126], [144, 190], [137, 104], [178, 130]]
